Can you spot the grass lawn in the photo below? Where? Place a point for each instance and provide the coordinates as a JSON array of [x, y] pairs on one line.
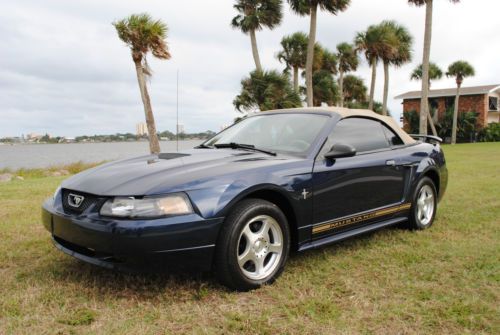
[[445, 280]]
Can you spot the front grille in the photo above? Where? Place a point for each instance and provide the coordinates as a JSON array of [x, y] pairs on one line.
[[88, 200]]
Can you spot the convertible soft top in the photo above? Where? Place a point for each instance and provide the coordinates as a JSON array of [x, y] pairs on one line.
[[346, 112]]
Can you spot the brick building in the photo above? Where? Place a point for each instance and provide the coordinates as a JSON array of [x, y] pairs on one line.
[[480, 99]]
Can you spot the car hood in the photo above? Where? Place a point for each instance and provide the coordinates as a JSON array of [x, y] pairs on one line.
[[169, 172]]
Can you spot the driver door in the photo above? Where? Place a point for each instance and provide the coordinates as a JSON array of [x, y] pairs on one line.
[[350, 192]]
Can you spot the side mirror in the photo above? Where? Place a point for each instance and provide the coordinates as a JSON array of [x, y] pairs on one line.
[[340, 150]]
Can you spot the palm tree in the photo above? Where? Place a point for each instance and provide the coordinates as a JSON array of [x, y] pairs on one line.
[[435, 73], [374, 44], [354, 89], [348, 61], [254, 15], [142, 35], [294, 54], [265, 90], [325, 88], [329, 61], [310, 7], [400, 53], [459, 70], [426, 60]]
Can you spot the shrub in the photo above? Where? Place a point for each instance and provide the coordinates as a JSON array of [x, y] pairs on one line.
[[466, 125], [412, 122], [491, 133]]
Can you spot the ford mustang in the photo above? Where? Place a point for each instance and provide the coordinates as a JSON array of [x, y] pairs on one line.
[[275, 182]]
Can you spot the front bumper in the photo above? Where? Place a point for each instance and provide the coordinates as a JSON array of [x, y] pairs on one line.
[[187, 240]]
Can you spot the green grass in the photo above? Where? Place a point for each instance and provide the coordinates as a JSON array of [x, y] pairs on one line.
[[444, 280]]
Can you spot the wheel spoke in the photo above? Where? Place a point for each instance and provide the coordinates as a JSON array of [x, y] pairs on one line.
[[264, 230], [275, 248], [249, 235], [259, 265], [245, 256]]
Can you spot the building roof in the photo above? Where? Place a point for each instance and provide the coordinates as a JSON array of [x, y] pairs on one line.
[[451, 92], [346, 112]]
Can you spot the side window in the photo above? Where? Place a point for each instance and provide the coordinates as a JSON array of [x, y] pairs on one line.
[[392, 137], [363, 134]]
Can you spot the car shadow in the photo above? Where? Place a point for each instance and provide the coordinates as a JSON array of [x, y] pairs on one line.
[[178, 283]]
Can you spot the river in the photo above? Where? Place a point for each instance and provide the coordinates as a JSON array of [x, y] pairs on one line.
[[43, 155]]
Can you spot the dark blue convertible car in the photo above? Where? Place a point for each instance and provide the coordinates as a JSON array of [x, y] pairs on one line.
[[275, 182]]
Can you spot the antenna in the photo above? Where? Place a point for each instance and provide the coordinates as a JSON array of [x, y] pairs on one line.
[[177, 114]]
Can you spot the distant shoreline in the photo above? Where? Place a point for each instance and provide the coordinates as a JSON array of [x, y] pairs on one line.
[[45, 155], [91, 142]]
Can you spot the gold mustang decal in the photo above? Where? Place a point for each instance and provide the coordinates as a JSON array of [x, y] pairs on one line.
[[322, 227]]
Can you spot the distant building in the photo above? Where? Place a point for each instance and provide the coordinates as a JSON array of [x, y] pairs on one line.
[[180, 128], [34, 137], [68, 140], [483, 100], [141, 129]]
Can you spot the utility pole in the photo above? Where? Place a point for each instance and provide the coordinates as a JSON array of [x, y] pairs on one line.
[[177, 114]]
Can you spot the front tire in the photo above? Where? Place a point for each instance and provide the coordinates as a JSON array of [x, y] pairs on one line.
[[253, 245], [424, 205]]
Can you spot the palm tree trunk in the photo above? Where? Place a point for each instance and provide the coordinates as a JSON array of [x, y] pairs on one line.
[[255, 51], [296, 79], [372, 85], [431, 123], [310, 55], [424, 111], [386, 88], [341, 88], [455, 117], [430, 119], [154, 144]]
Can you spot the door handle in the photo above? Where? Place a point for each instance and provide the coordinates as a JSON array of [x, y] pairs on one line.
[[390, 162]]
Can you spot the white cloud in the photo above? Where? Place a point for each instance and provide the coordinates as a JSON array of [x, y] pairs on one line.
[[64, 71]]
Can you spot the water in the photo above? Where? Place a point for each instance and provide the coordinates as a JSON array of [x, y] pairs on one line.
[[44, 155]]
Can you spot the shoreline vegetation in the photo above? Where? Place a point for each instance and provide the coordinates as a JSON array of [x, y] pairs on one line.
[[125, 137], [7, 174]]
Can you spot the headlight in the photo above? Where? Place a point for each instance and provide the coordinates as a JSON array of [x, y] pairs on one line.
[[56, 193], [174, 204]]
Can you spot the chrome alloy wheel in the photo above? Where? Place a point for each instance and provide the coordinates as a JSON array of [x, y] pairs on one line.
[[260, 247], [425, 205]]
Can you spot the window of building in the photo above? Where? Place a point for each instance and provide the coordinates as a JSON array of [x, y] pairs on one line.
[[433, 103], [493, 103], [449, 102]]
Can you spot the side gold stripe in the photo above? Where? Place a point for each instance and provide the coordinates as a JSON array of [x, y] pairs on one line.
[[359, 218]]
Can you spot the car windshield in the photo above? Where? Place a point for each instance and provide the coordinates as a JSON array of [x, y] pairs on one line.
[[289, 133]]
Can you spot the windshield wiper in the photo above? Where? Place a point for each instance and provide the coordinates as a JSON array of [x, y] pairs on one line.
[[203, 146], [233, 145]]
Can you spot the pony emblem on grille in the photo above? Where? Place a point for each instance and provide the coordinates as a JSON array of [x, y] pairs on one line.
[[75, 200]]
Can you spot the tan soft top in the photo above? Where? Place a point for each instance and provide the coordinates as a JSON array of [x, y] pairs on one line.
[[346, 112]]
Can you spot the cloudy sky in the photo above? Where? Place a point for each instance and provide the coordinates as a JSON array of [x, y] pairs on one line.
[[64, 71]]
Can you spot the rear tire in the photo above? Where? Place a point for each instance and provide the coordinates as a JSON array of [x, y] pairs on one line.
[[253, 245], [424, 205]]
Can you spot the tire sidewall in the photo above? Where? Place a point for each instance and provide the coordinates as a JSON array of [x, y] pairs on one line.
[[415, 222], [253, 208]]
